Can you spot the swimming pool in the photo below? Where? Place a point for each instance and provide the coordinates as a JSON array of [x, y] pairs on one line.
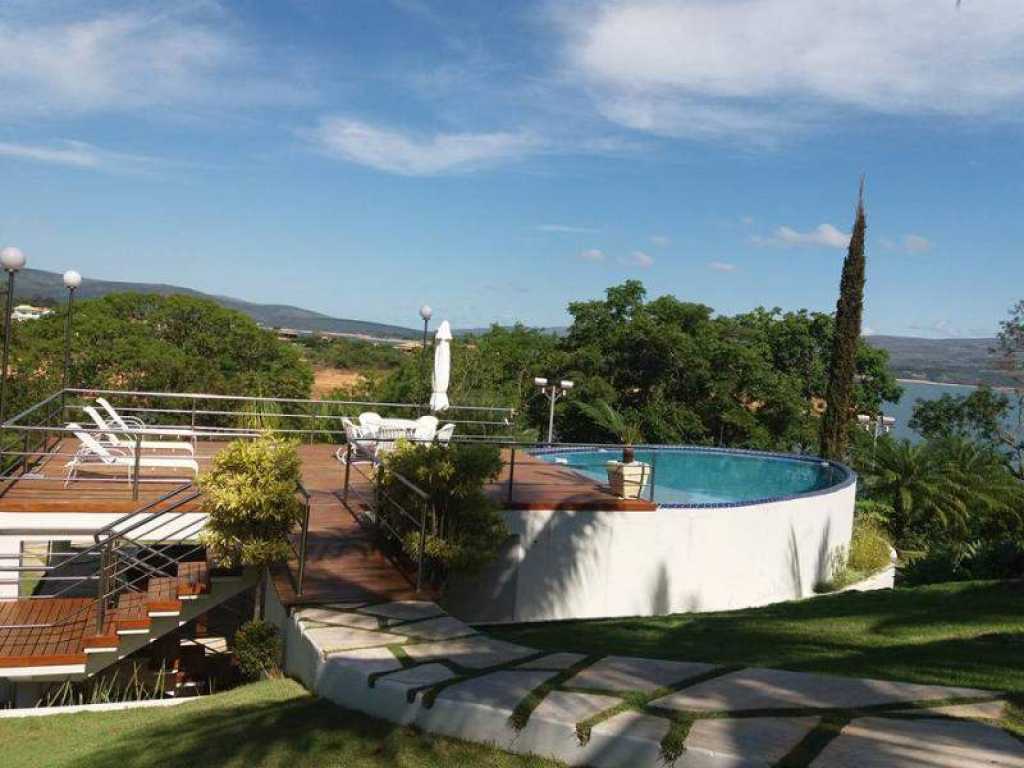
[[685, 476]]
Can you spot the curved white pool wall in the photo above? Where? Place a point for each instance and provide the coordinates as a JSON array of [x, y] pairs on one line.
[[574, 564]]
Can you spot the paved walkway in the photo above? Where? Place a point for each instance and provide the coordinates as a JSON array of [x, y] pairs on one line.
[[408, 662]]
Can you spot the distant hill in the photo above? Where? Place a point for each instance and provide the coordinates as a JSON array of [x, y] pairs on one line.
[[40, 284], [951, 361]]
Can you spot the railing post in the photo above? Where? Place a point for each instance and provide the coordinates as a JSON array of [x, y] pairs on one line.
[[24, 456], [302, 546], [511, 474], [348, 470], [138, 466], [654, 463], [104, 587]]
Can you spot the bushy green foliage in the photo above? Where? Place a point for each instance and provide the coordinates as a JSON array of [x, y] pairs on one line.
[[257, 647], [952, 507], [464, 527], [250, 496], [156, 343], [869, 552]]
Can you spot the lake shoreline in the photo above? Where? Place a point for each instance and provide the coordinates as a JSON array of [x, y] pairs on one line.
[[950, 384]]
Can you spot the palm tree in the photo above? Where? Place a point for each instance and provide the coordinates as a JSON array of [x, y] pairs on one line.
[[623, 426]]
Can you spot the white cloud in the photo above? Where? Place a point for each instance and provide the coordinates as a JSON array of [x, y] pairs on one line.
[[660, 240], [911, 243], [721, 266], [594, 255], [413, 155], [131, 59], [916, 244], [762, 68], [824, 235], [566, 229], [638, 259], [77, 154]]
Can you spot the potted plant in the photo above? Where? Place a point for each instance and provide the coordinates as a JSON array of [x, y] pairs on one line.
[[627, 477]]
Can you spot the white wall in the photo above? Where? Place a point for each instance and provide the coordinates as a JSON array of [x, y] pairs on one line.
[[584, 564]]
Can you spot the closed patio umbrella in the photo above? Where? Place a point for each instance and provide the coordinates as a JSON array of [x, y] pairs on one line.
[[442, 368]]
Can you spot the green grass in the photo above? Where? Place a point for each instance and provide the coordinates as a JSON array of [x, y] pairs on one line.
[[272, 723], [967, 634]]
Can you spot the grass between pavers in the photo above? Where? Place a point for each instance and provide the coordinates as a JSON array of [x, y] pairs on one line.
[[271, 724], [962, 634]]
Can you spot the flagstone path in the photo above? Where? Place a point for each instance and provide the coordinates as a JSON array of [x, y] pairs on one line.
[[410, 663]]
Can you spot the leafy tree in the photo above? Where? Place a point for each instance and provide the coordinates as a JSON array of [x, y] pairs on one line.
[[250, 496], [464, 527], [843, 363], [157, 343]]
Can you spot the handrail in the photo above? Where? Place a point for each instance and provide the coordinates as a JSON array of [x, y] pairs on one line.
[[109, 547]]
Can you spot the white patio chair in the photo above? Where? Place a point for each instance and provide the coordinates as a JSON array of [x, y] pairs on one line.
[[135, 424], [149, 445], [93, 452], [444, 434], [426, 428], [360, 438], [370, 419]]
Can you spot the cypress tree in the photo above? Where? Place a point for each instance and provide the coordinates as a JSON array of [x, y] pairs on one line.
[[843, 363]]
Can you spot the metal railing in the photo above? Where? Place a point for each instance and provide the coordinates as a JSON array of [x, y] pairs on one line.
[[300, 549], [39, 434], [130, 551], [386, 512]]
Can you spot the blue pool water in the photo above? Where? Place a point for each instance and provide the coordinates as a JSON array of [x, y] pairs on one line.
[[691, 476]]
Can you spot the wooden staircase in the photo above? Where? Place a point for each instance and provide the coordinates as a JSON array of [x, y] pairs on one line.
[[72, 648], [151, 579]]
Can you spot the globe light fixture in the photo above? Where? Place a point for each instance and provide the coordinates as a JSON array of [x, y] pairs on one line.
[[71, 281], [11, 259], [426, 313]]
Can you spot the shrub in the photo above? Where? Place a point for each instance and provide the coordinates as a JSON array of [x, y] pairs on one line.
[[257, 647], [249, 494], [869, 552], [464, 527]]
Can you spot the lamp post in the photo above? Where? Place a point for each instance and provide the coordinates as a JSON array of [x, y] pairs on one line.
[[553, 392], [12, 259], [71, 281], [426, 313]]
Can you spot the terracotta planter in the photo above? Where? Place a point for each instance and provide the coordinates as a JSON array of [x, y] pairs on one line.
[[628, 480]]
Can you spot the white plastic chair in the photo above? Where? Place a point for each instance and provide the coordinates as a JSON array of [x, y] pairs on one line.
[[92, 451], [444, 434], [150, 445], [370, 419], [426, 428]]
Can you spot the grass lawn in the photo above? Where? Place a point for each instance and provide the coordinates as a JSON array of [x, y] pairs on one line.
[[272, 723], [969, 633]]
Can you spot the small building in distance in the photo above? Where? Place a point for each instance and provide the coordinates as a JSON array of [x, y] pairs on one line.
[[29, 312]]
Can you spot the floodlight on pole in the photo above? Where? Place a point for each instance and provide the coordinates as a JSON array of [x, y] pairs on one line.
[[552, 392]]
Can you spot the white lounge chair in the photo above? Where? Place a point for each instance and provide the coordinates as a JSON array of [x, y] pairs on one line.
[[137, 425], [370, 419], [426, 428], [92, 451], [444, 434], [150, 445]]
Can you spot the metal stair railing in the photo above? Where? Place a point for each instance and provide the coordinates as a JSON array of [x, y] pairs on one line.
[[131, 551]]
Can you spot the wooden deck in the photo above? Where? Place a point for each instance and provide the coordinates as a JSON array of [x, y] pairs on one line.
[[539, 484], [343, 563]]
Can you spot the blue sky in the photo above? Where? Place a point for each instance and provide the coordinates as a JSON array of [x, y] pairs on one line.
[[499, 160]]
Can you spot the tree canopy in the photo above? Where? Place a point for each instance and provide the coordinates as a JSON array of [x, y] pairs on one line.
[[157, 343]]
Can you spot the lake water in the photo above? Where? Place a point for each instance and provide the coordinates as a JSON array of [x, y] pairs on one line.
[[912, 392]]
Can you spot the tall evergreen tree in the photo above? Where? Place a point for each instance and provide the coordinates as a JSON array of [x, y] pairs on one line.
[[843, 363]]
